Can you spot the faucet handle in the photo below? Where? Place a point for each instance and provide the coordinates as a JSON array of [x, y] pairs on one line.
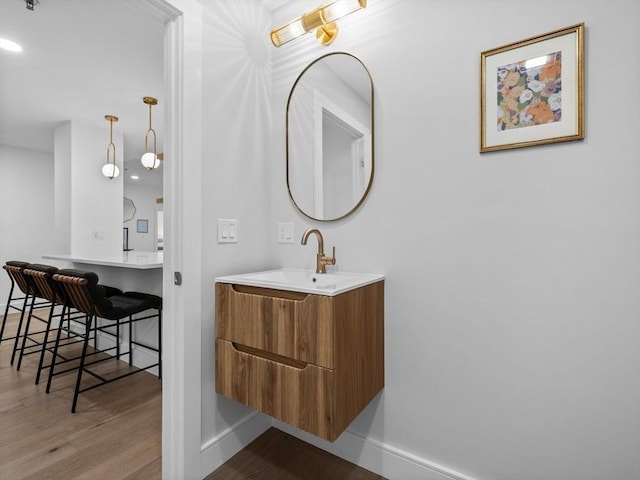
[[332, 259]]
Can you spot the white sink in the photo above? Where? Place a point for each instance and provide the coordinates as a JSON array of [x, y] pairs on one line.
[[305, 281]]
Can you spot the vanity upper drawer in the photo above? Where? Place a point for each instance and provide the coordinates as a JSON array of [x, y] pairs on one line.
[[290, 324], [297, 393]]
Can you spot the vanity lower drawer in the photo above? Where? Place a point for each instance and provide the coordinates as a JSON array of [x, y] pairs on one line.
[[297, 393], [290, 324]]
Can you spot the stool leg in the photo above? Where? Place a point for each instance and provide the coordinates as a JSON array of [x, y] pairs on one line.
[[95, 334], [6, 310], [46, 340], [82, 359], [130, 339], [160, 344], [118, 339], [19, 332], [55, 349], [26, 332]]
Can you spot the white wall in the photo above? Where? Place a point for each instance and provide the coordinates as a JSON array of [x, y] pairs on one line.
[[512, 277], [235, 172], [26, 208], [512, 284], [218, 111], [62, 189]]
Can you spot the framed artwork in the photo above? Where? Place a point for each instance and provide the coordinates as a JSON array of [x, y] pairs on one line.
[[532, 91], [143, 226]]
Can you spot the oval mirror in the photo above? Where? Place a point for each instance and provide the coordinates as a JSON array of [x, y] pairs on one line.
[[330, 137]]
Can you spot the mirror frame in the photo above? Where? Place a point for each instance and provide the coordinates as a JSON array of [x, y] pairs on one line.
[[370, 182]]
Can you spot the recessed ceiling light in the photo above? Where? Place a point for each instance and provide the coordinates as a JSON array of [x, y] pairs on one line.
[[9, 45], [134, 177]]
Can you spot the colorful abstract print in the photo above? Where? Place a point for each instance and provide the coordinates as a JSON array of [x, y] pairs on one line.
[[530, 95]]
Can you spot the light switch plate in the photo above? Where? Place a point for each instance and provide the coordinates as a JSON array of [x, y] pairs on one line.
[[285, 232], [227, 230]]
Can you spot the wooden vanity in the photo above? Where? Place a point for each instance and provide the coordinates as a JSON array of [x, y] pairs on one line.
[[310, 360]]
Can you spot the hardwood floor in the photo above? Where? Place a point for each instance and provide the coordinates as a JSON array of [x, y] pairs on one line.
[[114, 435], [276, 455]]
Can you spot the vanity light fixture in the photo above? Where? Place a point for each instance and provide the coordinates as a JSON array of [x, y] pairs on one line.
[[322, 20], [150, 159], [110, 169]]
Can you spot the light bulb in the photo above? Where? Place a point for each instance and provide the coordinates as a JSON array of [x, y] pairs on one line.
[[340, 8], [110, 170], [150, 161], [288, 32]]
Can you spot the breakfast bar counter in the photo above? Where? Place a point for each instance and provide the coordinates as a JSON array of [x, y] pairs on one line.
[[132, 259], [129, 271]]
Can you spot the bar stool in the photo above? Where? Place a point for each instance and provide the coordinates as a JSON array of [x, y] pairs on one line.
[[15, 270], [42, 277], [73, 335], [84, 294]]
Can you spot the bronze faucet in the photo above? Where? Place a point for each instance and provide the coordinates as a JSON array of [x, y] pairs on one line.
[[321, 260]]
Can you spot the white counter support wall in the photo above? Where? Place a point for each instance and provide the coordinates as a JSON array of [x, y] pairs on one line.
[[88, 206]]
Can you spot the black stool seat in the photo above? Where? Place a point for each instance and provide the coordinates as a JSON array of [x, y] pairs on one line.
[[103, 301], [154, 300], [126, 304]]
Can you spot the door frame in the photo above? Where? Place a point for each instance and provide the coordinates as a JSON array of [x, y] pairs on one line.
[[181, 324]]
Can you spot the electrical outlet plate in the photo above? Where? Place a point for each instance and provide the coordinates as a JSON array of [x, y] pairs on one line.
[[227, 230]]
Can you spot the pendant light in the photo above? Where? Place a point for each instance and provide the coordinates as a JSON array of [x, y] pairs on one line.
[[110, 169], [150, 158]]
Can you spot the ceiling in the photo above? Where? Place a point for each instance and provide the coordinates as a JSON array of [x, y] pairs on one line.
[[81, 60]]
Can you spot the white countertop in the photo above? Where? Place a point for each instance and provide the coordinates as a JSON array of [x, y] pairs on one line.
[[132, 259], [304, 281]]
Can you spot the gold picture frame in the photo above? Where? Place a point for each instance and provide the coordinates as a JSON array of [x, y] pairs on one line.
[[532, 91]]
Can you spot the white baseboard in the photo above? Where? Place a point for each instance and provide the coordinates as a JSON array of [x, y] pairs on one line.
[[229, 442], [372, 455], [378, 457], [148, 358]]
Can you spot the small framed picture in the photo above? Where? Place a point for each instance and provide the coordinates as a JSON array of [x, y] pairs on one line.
[[143, 226], [532, 91]]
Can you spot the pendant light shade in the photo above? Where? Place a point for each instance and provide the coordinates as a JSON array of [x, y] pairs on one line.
[[150, 161], [150, 158], [110, 169]]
